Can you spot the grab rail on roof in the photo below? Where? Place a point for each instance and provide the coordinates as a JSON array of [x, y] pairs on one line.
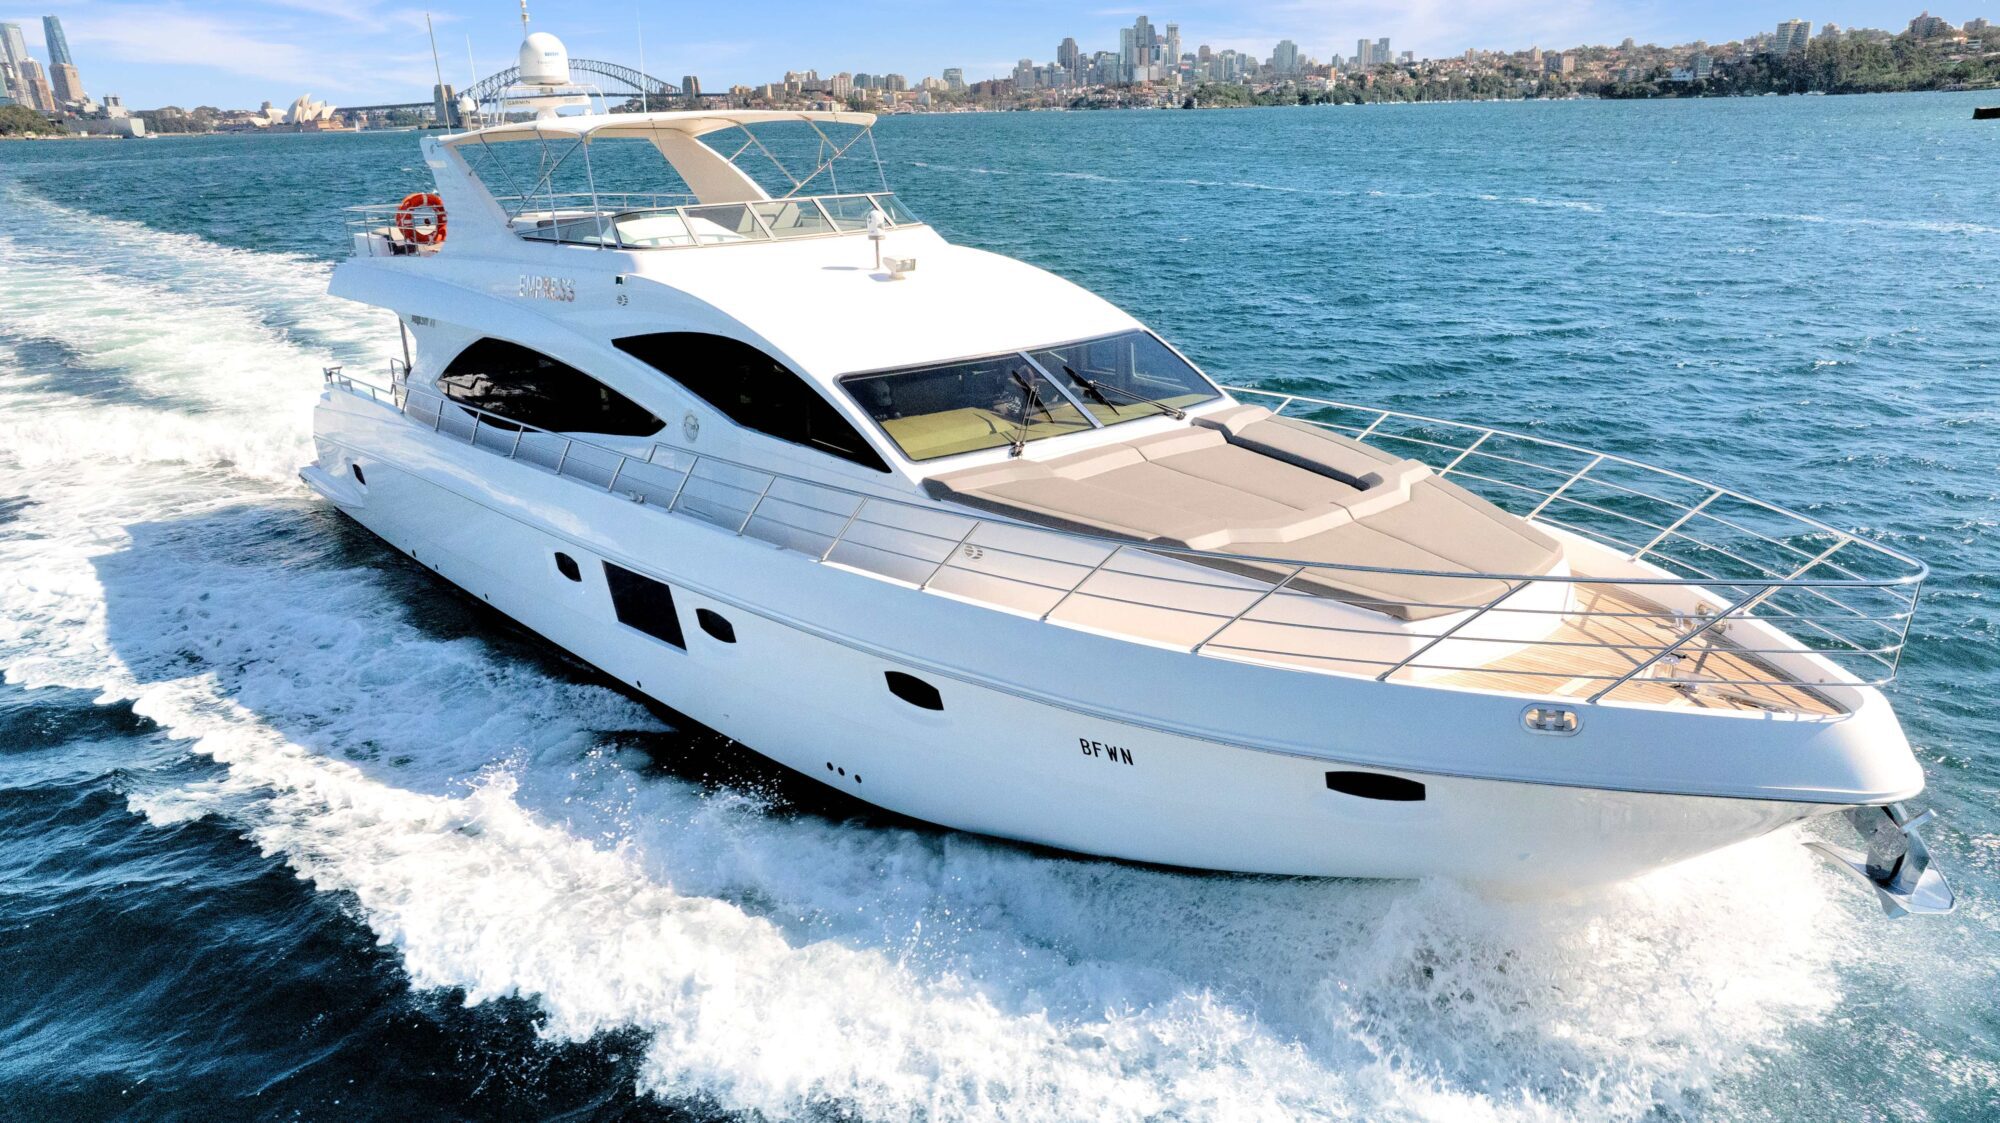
[[600, 220], [1727, 559]]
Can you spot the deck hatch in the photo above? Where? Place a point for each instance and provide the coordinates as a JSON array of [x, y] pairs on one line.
[[1376, 785]]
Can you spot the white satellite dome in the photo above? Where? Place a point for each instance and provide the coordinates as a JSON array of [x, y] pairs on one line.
[[544, 61]]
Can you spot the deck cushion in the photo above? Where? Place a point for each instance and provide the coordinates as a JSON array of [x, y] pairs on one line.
[[1244, 482]]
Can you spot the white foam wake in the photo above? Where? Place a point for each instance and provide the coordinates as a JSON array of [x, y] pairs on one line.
[[472, 805]]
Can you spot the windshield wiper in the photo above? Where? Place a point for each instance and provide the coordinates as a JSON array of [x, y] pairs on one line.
[[1031, 400], [1096, 391]]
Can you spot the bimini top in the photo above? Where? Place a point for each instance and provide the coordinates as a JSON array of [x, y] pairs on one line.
[[697, 122]]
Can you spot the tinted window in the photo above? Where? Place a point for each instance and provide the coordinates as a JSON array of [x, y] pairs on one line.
[[962, 407], [514, 382], [1122, 377], [752, 389], [645, 604]]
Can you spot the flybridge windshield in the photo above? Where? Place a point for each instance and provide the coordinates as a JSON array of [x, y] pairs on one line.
[[780, 157], [1026, 396]]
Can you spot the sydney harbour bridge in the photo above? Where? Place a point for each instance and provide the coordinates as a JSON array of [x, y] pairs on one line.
[[612, 78]]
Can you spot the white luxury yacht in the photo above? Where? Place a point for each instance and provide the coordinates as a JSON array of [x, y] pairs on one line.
[[963, 540]]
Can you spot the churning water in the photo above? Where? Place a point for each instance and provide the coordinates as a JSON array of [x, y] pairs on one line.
[[288, 829]]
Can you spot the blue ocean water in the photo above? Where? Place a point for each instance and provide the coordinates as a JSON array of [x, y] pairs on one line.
[[289, 830]]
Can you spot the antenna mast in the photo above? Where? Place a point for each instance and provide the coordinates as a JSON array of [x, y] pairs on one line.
[[442, 108]]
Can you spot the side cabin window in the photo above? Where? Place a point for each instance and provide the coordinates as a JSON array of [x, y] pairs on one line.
[[752, 389], [511, 381]]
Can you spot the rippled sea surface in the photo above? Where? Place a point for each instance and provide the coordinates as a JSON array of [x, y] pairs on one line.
[[288, 830]]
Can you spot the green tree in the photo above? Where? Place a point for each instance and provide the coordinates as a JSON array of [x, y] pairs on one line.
[[19, 120]]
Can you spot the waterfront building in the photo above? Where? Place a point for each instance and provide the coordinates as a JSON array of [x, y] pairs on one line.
[[66, 84], [58, 43], [13, 46], [1285, 59], [954, 78], [35, 86], [1701, 67], [1792, 37], [842, 86]]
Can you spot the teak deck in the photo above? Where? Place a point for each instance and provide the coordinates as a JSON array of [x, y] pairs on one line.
[[1579, 672]]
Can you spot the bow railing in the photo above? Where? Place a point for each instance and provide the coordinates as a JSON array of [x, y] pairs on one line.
[[1688, 590]]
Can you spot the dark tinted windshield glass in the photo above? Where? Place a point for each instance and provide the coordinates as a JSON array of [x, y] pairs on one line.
[[752, 389], [514, 382], [963, 407], [1122, 377]]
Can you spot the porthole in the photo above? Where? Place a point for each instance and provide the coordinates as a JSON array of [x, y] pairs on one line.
[[1375, 785], [715, 625], [360, 477], [914, 690], [566, 566]]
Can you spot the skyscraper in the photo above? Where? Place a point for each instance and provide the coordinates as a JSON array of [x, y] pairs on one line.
[[1285, 59], [1173, 59], [58, 42], [13, 48], [1069, 55], [954, 79], [1791, 38], [1382, 52], [1361, 52], [35, 85], [67, 85]]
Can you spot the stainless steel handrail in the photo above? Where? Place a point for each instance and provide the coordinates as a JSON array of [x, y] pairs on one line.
[[1737, 597], [597, 214]]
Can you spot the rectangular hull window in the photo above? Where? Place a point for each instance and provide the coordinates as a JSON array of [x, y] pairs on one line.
[[645, 604]]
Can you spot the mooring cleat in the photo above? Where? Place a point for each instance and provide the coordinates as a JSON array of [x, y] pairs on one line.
[[1897, 864]]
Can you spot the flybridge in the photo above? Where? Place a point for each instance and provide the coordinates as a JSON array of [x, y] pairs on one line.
[[554, 176]]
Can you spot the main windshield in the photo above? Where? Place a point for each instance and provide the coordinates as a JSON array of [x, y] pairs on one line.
[[964, 407], [1123, 377], [978, 404]]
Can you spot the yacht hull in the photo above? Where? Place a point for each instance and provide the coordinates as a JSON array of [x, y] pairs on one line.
[[1133, 760]]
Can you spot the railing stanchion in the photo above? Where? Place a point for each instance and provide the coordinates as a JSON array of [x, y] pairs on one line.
[[682, 486], [518, 434], [564, 458], [1469, 450], [845, 527], [616, 470], [768, 481], [952, 553], [1452, 631], [1094, 571], [1678, 523], [1247, 610], [1552, 496]]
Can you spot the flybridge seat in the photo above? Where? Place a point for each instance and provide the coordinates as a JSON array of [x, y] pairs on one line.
[[1244, 482]]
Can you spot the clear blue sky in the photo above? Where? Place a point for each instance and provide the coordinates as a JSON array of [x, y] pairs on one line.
[[241, 52]]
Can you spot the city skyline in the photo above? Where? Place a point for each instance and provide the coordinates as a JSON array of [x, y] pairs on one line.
[[247, 51]]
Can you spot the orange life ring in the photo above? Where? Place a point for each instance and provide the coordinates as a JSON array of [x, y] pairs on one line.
[[410, 213]]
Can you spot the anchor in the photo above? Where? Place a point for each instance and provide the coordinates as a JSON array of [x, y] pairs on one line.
[[1897, 864]]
